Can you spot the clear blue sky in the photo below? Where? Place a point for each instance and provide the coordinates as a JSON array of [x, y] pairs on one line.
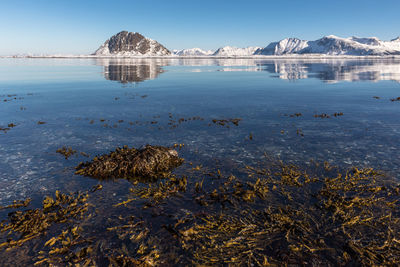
[[80, 26]]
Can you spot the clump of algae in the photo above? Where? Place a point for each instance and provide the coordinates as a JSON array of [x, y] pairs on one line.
[[23, 226], [148, 162], [66, 151], [156, 193]]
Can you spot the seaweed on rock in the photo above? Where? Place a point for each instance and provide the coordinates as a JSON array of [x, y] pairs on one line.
[[148, 162]]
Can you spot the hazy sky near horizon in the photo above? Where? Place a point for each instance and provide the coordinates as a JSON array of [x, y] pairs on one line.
[[81, 26]]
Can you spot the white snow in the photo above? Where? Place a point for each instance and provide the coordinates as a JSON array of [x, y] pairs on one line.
[[333, 45], [192, 52], [235, 51]]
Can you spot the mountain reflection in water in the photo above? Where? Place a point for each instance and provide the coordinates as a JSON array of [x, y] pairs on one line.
[[131, 70], [327, 70]]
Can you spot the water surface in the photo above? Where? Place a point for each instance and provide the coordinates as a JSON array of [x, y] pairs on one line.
[[96, 105]]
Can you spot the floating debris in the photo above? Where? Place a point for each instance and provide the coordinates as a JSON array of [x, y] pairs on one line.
[[148, 162], [250, 136], [299, 132], [10, 97], [295, 115], [9, 126], [226, 122], [337, 114], [175, 122], [179, 146], [6, 129], [66, 152], [326, 116], [84, 154], [41, 122], [322, 116]]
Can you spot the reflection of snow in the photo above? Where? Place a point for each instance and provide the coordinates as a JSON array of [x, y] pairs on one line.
[[328, 70], [333, 70]]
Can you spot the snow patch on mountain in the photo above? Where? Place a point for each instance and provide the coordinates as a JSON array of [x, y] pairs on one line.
[[283, 47], [235, 51], [192, 52]]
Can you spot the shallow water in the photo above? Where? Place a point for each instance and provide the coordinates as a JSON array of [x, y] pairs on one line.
[[95, 105]]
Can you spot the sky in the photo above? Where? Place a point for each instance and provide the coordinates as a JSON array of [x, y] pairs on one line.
[[81, 26]]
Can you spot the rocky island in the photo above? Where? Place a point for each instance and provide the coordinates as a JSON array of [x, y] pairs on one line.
[[131, 44]]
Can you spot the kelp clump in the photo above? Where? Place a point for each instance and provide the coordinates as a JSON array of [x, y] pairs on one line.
[[23, 226], [226, 122], [66, 151], [125, 162]]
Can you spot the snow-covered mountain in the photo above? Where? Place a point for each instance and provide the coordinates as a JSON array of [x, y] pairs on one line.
[[333, 45], [283, 47], [131, 44], [235, 51], [192, 52], [127, 44], [227, 51]]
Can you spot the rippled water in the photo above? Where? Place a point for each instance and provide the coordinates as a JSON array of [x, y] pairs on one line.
[[95, 105]]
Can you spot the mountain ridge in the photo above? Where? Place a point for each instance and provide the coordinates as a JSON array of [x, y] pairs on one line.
[[333, 45], [126, 44]]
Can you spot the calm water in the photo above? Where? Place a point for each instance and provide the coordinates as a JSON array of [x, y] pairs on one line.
[[95, 105]]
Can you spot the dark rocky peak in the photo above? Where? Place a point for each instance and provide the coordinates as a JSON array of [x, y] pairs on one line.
[[127, 43]]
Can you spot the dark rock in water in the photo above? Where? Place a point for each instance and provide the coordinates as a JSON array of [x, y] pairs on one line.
[[131, 44], [148, 162]]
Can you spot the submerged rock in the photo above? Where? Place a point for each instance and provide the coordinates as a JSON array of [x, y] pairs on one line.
[[147, 162]]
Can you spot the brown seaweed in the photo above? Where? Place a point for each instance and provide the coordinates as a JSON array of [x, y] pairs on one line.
[[125, 162], [66, 151], [227, 122], [268, 214]]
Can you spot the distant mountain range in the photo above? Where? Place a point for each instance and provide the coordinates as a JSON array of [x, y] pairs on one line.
[[133, 44], [333, 45], [126, 44], [192, 52]]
